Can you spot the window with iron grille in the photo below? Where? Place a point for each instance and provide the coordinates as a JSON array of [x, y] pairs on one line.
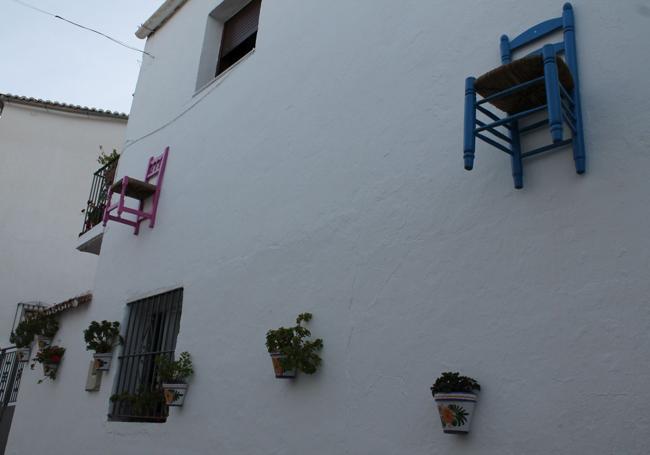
[[239, 35], [151, 331]]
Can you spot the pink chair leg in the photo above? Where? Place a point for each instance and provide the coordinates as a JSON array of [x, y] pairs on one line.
[[108, 204], [120, 207], [138, 219]]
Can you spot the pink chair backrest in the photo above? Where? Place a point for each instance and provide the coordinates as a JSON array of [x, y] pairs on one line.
[[156, 165]]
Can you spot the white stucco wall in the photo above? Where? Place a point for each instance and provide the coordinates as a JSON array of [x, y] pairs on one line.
[[324, 174], [47, 158]]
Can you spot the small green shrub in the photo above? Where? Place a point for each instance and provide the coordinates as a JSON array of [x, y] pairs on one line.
[[300, 353], [45, 326], [105, 158], [175, 371], [102, 337], [143, 402], [453, 382]]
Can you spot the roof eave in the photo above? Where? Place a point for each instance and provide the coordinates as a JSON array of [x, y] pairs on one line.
[[63, 107], [158, 18]]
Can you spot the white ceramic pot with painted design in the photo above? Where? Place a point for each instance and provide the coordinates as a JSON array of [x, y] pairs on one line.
[[456, 411], [103, 360]]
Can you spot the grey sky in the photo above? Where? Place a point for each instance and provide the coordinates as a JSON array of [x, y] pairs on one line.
[[44, 57]]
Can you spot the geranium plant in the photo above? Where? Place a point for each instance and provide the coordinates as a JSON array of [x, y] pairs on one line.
[[290, 350], [102, 337], [50, 357]]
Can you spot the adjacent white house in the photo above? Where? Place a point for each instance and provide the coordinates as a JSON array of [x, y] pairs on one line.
[[315, 164], [48, 154]]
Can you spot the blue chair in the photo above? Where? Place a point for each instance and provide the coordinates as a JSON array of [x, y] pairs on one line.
[[541, 81]]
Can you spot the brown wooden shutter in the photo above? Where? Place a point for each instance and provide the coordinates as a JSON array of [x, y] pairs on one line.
[[241, 26]]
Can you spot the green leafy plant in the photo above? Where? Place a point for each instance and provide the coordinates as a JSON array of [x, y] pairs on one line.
[[449, 382], [45, 326], [300, 353], [143, 402], [102, 337], [175, 371], [50, 355], [105, 158]]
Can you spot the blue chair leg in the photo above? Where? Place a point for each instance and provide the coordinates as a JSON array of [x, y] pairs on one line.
[[469, 140], [552, 82], [572, 60], [517, 167], [579, 143]]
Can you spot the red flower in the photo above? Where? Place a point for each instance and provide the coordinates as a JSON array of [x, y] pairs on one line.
[[55, 358]]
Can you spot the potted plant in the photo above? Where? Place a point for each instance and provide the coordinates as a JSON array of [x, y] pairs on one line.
[[22, 354], [102, 337], [142, 403], [290, 351], [43, 327], [456, 398], [50, 357], [108, 158], [173, 374]]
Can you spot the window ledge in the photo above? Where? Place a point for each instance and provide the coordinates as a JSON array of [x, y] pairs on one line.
[[223, 75]]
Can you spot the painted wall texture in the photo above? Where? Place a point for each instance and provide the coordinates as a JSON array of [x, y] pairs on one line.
[[324, 173], [47, 159]]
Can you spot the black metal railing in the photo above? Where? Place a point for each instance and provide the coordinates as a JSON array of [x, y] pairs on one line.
[[11, 368], [102, 181]]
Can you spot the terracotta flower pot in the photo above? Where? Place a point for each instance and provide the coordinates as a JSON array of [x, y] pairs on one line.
[[279, 370], [103, 360], [456, 411], [174, 393]]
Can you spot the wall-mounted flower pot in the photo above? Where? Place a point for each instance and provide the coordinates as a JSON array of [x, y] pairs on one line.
[[22, 354], [279, 370], [43, 342], [174, 393], [103, 360], [50, 369], [456, 411]]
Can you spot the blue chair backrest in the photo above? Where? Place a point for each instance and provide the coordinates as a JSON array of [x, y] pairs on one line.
[[541, 30]]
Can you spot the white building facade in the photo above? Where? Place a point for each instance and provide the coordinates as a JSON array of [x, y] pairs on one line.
[[322, 172], [48, 153]]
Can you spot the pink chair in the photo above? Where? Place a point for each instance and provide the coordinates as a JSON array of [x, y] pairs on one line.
[[140, 190]]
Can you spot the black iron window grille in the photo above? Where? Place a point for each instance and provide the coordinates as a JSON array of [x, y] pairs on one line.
[[151, 331], [102, 181]]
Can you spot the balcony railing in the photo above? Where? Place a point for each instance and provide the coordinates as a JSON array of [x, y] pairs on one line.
[[102, 180]]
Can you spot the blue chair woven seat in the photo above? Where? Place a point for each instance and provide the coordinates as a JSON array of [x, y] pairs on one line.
[[545, 80], [515, 73]]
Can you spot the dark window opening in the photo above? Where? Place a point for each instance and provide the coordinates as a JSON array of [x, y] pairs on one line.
[[239, 36], [151, 331]]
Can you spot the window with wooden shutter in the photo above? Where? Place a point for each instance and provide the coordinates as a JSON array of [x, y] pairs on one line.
[[239, 35]]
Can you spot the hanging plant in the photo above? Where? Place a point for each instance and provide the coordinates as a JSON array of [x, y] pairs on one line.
[[102, 337], [50, 357], [174, 374], [456, 398], [45, 327], [290, 351]]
